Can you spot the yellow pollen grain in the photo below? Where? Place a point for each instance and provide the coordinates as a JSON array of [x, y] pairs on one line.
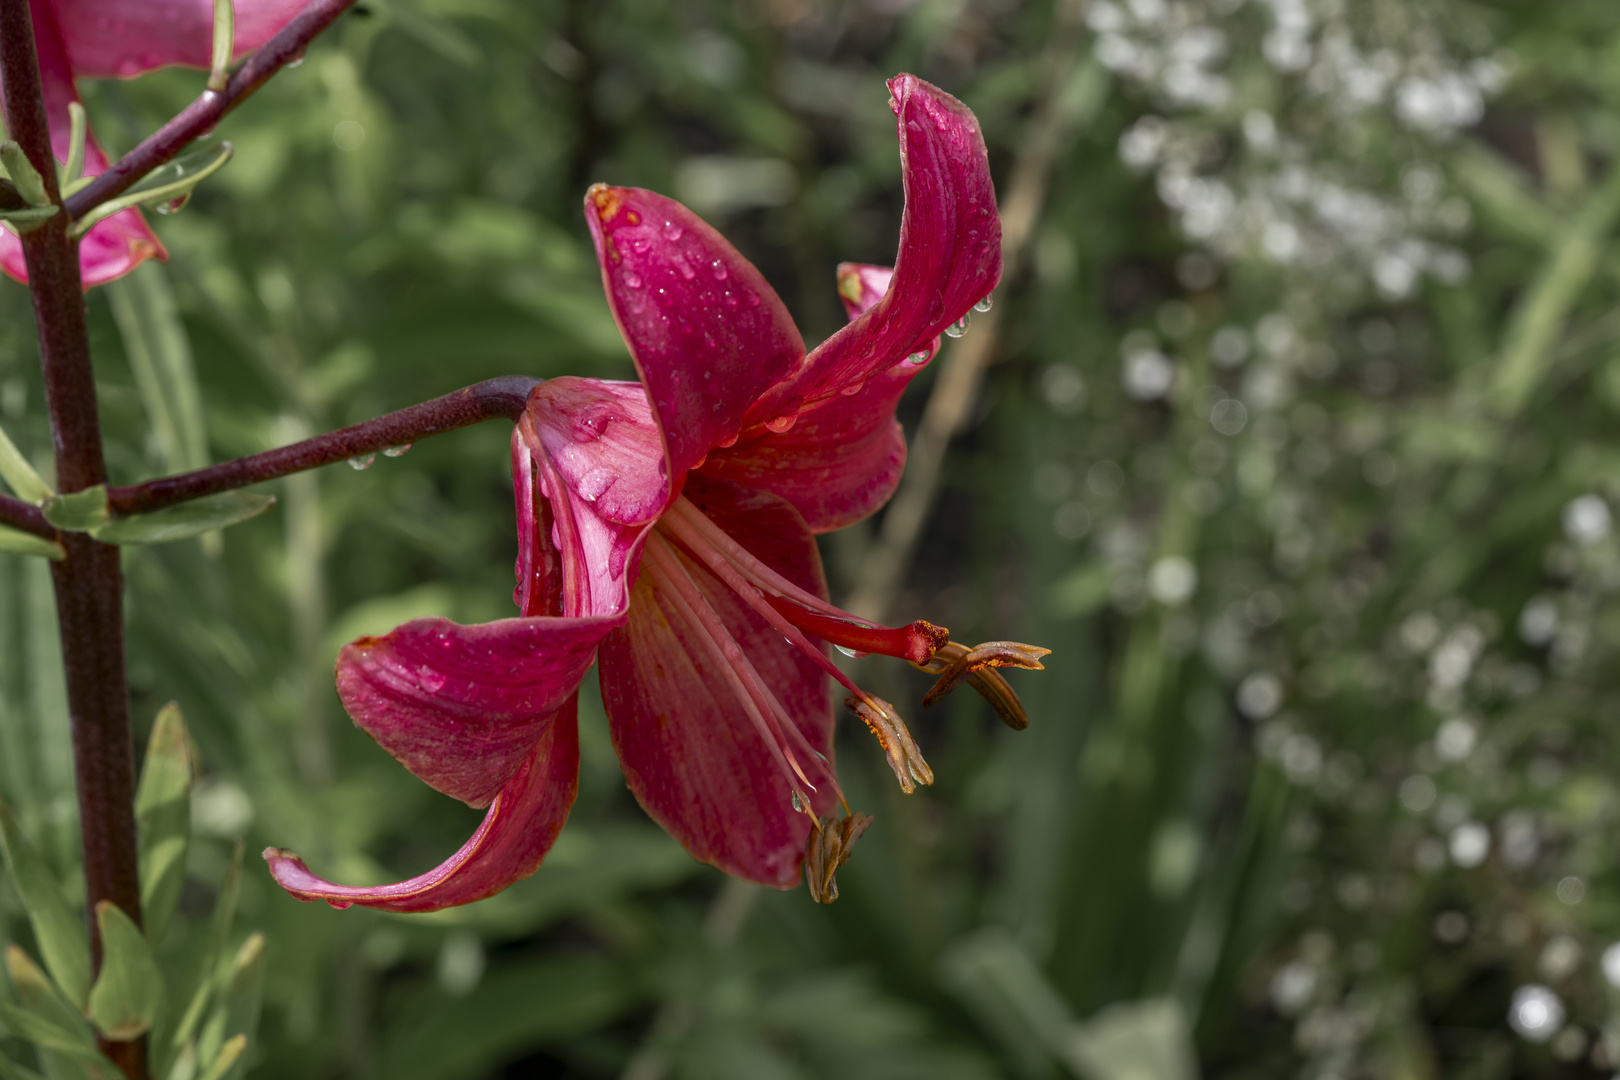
[[605, 199]]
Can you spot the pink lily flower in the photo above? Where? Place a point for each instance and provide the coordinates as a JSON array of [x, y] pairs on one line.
[[120, 39], [667, 528]]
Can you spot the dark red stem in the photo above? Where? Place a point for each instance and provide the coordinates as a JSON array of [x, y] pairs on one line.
[[21, 515], [89, 585], [491, 400], [204, 114]]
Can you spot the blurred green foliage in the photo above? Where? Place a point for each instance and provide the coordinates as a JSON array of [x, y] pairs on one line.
[[1299, 451]]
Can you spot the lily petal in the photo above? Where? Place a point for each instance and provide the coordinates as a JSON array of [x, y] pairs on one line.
[[690, 754], [839, 461], [949, 257], [707, 333], [122, 38], [520, 827], [462, 706]]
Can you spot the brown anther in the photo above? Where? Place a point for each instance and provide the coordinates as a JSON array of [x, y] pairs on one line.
[[827, 849], [904, 757], [956, 663]]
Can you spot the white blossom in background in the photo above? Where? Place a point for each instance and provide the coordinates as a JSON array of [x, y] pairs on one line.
[[1299, 189]]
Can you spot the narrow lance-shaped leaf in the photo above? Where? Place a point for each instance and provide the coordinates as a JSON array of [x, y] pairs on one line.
[[19, 475], [10, 1070], [224, 913], [168, 182], [40, 996], [185, 520], [17, 542], [57, 929], [47, 1020], [128, 992], [228, 1061], [23, 174], [163, 816]]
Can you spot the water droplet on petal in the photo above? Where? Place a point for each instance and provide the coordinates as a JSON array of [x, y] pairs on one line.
[[397, 451], [984, 304], [957, 328], [672, 231], [594, 483], [361, 461], [781, 423], [640, 245], [853, 388], [718, 269], [632, 279], [685, 268], [918, 357]]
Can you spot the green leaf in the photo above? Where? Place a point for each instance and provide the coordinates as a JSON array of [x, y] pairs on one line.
[[159, 354], [163, 184], [224, 914], [185, 520], [40, 996], [82, 511], [17, 542], [23, 174], [163, 817], [44, 1034], [224, 44], [128, 992], [19, 475], [57, 929]]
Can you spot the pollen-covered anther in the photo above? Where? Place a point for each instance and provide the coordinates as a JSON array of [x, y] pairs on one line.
[[956, 663], [904, 757], [828, 848]]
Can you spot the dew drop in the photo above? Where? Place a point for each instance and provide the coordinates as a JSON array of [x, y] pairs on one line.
[[984, 304], [672, 231], [957, 328], [718, 269], [797, 805], [640, 245], [594, 483], [297, 61], [853, 388], [781, 423], [632, 279], [397, 451], [847, 651], [918, 357], [361, 461], [172, 205], [685, 268]]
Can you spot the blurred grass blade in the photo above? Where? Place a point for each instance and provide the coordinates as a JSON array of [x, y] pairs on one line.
[[57, 929], [236, 1015], [995, 979], [185, 520], [160, 356], [163, 817], [17, 542], [1135, 1040], [10, 1070], [128, 994], [19, 475], [226, 1060], [218, 931], [1534, 328]]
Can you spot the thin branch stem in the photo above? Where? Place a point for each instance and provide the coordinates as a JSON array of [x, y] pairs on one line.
[[204, 114], [491, 400], [89, 584], [25, 516]]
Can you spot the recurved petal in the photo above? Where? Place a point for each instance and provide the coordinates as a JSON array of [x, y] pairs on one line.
[[707, 333], [839, 461], [520, 827], [689, 751], [122, 38], [462, 706], [949, 256]]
